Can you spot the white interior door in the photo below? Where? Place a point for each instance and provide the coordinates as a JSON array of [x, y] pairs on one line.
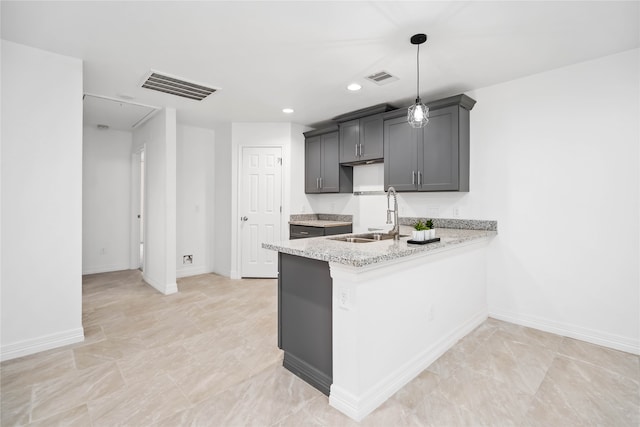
[[260, 209]]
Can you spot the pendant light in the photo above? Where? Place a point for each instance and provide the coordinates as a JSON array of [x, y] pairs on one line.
[[418, 114]]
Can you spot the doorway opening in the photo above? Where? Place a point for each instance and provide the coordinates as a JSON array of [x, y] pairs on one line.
[[141, 215], [138, 184]]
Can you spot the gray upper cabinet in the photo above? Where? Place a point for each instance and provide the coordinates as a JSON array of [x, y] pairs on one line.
[[361, 135], [400, 157], [312, 171], [433, 158], [323, 173], [361, 140]]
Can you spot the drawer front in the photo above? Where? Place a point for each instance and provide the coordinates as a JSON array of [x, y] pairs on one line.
[[303, 231], [341, 229]]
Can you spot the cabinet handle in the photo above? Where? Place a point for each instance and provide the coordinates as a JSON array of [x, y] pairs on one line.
[[317, 182], [356, 150], [413, 177], [320, 182], [419, 178], [304, 232], [360, 149]]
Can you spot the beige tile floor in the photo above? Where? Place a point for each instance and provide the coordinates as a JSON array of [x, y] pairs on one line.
[[207, 356]]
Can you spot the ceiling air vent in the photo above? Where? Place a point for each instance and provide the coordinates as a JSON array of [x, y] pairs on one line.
[[382, 78], [176, 86]]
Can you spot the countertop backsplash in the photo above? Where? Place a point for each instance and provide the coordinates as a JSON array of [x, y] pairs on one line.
[[321, 217], [461, 224]]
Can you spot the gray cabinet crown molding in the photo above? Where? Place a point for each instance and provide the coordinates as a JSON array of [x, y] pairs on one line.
[[364, 112], [461, 100], [321, 131]]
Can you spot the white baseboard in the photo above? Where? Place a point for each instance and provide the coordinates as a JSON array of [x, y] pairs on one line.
[[166, 289], [358, 407], [187, 271], [604, 339], [105, 268], [36, 345]]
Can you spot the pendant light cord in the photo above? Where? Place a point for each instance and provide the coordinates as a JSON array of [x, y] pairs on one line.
[[418, 73]]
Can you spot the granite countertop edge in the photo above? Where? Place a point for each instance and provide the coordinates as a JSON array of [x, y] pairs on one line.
[[320, 223], [365, 254]]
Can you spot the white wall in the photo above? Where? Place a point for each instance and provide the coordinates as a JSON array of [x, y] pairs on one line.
[[195, 193], [41, 200], [158, 136], [555, 161], [106, 210]]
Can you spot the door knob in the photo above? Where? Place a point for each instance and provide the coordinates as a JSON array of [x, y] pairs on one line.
[[244, 218]]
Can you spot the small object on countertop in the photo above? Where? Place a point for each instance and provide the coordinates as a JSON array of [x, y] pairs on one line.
[[423, 242]]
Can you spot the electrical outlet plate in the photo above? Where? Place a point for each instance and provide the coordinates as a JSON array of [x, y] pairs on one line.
[[344, 299]]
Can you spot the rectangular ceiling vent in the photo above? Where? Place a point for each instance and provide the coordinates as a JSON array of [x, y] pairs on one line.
[[382, 78], [176, 86]]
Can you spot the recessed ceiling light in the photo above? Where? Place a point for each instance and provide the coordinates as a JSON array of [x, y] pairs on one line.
[[354, 86], [287, 110]]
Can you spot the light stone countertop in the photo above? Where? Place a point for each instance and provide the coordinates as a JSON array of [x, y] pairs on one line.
[[363, 254], [320, 223]]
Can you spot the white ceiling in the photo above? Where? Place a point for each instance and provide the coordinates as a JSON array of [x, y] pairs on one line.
[[265, 55]]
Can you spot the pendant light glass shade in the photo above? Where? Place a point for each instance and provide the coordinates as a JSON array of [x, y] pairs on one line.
[[418, 113]]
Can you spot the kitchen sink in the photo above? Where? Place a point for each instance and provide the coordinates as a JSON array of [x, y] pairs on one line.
[[378, 236], [365, 238]]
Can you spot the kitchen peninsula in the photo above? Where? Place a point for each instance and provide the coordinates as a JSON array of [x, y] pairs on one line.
[[360, 320]]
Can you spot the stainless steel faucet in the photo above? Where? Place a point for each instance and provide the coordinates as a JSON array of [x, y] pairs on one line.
[[395, 231]]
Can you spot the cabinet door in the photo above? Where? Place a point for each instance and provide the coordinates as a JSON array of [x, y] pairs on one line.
[[330, 164], [439, 151], [349, 140], [371, 138], [312, 172], [400, 155]]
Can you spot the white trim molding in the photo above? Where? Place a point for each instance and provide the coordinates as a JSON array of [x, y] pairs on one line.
[[166, 289], [105, 269], [358, 407], [392, 320], [605, 339], [192, 271], [36, 345]]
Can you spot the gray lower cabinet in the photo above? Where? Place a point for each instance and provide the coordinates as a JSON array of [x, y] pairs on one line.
[[433, 158], [306, 231], [361, 140], [305, 319], [323, 173]]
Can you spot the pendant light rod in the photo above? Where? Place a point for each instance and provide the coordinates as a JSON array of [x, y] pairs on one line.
[[418, 72]]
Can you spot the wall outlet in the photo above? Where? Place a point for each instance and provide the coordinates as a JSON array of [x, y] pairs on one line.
[[431, 313], [187, 259], [344, 298], [456, 212]]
